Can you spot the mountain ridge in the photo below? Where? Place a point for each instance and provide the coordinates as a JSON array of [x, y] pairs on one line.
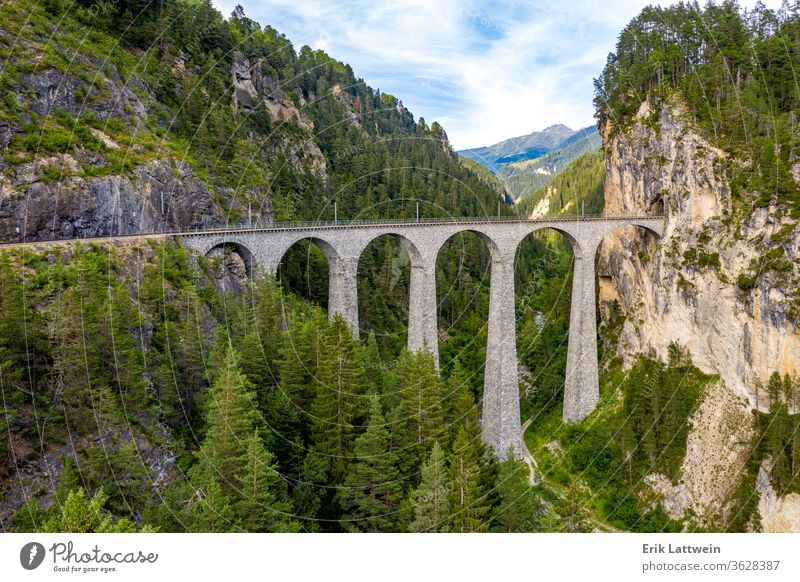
[[534, 144]]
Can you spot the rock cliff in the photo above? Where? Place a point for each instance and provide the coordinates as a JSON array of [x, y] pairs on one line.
[[90, 157], [723, 282]]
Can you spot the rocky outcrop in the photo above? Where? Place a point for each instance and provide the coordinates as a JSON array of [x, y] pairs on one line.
[[683, 288], [255, 91], [228, 270], [37, 475], [81, 193], [778, 514], [158, 195]]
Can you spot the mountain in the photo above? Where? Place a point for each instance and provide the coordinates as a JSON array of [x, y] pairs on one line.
[[523, 178], [524, 147], [576, 189], [526, 163]]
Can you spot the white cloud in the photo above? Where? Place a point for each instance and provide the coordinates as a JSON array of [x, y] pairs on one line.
[[485, 71]]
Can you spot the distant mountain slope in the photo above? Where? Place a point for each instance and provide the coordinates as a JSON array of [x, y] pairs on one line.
[[487, 177], [577, 188], [525, 177], [524, 147]]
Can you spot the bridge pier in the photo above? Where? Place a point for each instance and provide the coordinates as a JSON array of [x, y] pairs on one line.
[[500, 420], [581, 383], [343, 290], [423, 333]]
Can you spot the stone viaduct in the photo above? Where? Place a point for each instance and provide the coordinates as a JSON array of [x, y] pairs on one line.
[[343, 243]]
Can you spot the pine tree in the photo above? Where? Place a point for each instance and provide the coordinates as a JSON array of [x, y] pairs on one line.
[[301, 355], [371, 494], [340, 389], [285, 439], [310, 492], [231, 417], [430, 500], [262, 338], [520, 509], [419, 385], [401, 442], [235, 477], [261, 506], [574, 515], [469, 504]]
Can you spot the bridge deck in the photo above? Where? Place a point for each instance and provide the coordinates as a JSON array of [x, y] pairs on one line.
[[332, 225]]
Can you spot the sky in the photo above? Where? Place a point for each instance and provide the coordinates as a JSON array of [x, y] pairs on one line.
[[486, 71]]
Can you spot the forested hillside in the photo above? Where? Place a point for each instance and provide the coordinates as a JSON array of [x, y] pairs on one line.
[[577, 189], [146, 389], [132, 117], [736, 72]]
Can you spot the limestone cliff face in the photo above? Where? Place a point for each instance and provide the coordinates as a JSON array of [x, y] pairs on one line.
[[82, 192], [162, 193], [663, 163], [256, 91], [683, 289]]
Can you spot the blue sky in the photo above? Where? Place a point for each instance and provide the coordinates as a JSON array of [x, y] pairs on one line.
[[485, 70]]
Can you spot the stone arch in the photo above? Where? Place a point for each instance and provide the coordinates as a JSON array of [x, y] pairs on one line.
[[408, 287], [491, 244], [648, 226], [332, 256], [241, 249], [652, 228], [577, 247], [406, 243], [442, 304], [326, 247]]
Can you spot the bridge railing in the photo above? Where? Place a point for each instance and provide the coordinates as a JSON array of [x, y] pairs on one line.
[[327, 224], [294, 225]]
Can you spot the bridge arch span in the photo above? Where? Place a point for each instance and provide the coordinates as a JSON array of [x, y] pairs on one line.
[[494, 246], [242, 249], [328, 249], [656, 229], [574, 241], [406, 242]]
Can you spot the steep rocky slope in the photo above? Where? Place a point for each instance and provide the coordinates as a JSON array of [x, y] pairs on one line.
[[723, 283], [120, 170]]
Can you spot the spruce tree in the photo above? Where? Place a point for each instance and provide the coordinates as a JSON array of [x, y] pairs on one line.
[[419, 385], [371, 494], [235, 476], [231, 417], [430, 500], [261, 505], [520, 508], [340, 389], [310, 493], [469, 503]]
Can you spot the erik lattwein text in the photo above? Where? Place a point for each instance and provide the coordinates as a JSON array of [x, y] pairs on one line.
[[684, 549]]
